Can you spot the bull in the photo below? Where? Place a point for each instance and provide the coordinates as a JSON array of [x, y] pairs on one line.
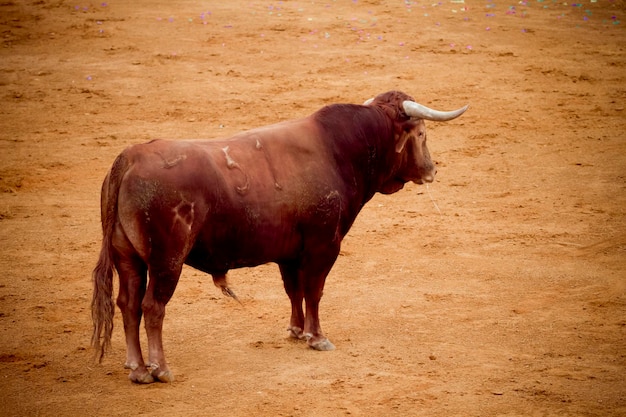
[[286, 193]]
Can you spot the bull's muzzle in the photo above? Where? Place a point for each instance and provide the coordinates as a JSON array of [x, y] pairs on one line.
[[428, 178]]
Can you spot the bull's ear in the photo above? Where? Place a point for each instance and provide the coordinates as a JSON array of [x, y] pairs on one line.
[[401, 140]]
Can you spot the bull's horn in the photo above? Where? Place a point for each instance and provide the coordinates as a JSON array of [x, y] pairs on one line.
[[368, 102], [419, 111]]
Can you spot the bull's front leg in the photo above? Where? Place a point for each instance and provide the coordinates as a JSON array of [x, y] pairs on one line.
[[294, 290], [313, 272], [312, 329]]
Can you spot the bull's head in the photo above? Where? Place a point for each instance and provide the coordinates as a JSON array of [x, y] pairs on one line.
[[412, 155]]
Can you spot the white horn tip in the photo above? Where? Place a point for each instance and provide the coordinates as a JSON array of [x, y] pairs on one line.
[[414, 109]]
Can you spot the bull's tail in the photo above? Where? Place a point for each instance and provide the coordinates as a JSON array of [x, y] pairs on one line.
[[102, 305]]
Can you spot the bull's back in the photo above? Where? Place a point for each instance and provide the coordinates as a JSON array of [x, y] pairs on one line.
[[243, 201], [278, 183]]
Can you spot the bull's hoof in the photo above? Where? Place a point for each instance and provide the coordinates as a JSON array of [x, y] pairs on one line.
[[321, 343], [141, 376], [296, 332], [162, 375]]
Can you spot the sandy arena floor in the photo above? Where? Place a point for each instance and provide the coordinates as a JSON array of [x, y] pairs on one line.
[[503, 292]]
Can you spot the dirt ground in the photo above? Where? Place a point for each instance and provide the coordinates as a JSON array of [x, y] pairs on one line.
[[500, 290]]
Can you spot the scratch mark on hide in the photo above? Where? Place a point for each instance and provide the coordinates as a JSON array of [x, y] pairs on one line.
[[334, 196], [231, 164], [169, 163], [260, 147], [329, 213], [229, 161], [184, 213]]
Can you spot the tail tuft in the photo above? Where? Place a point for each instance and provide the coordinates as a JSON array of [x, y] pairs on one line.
[[102, 306]]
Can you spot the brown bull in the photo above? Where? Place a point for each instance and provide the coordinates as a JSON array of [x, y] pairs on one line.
[[286, 193]]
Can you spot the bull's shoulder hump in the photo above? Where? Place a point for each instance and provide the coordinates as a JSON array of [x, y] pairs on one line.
[[275, 130]]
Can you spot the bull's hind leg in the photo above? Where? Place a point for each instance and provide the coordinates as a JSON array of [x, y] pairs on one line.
[[294, 290], [164, 274], [132, 274]]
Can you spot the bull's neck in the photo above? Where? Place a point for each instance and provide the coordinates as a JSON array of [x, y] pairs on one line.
[[362, 142]]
